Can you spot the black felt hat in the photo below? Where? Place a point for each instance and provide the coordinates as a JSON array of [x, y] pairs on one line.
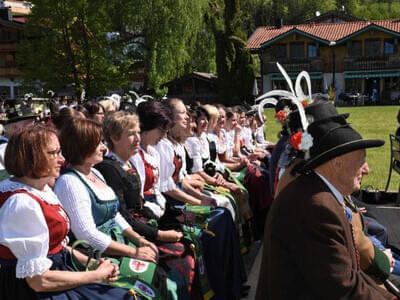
[[316, 111], [332, 137], [16, 111]]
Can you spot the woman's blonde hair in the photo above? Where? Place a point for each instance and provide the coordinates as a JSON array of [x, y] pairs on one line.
[[115, 123], [212, 110], [108, 105]]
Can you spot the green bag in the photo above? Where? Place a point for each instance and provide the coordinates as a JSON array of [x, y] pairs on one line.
[[201, 213], [192, 233], [136, 275]]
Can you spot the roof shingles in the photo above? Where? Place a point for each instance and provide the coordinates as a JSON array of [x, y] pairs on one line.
[[325, 31]]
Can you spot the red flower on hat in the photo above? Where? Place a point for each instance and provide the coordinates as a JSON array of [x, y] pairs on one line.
[[295, 140], [281, 116]]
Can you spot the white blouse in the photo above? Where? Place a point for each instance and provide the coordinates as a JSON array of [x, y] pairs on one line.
[[166, 150], [246, 135], [229, 141], [75, 198], [260, 137], [23, 228], [199, 150], [153, 158], [221, 147]]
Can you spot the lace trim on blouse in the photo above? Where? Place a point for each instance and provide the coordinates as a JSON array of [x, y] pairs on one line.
[[32, 267]]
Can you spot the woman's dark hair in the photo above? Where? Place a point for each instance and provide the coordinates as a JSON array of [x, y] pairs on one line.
[[82, 109], [79, 139], [201, 112], [64, 116], [192, 113], [239, 109], [93, 108], [171, 103], [220, 106], [54, 107], [154, 114], [229, 113]]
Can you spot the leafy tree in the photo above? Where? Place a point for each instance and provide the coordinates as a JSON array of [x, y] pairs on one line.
[[348, 5], [235, 73], [256, 13], [166, 35], [373, 10], [66, 42], [94, 43]]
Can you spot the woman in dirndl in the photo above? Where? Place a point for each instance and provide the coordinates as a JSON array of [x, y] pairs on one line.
[[221, 253], [124, 174], [35, 261], [93, 206]]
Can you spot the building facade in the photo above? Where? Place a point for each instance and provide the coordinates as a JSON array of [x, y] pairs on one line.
[[12, 19], [353, 56], [196, 86]]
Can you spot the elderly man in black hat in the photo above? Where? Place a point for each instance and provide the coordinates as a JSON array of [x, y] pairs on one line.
[[309, 250]]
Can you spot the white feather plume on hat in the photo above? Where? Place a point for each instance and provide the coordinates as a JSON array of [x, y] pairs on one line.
[[140, 99], [296, 94]]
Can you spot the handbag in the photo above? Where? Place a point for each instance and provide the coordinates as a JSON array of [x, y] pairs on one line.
[[136, 276], [210, 168]]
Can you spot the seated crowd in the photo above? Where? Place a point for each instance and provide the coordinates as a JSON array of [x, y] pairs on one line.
[[107, 200], [158, 201]]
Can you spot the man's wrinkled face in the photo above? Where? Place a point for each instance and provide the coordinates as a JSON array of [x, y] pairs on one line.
[[350, 169]]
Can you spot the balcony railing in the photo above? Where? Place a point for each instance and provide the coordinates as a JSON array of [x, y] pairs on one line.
[[295, 65], [10, 71], [371, 63]]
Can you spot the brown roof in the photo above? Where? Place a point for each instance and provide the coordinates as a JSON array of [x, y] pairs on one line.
[[205, 75], [327, 32]]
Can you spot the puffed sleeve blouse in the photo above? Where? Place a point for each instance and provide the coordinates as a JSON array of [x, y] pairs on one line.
[[197, 153], [228, 137], [23, 228], [246, 134], [167, 150], [75, 198], [260, 136], [153, 158]]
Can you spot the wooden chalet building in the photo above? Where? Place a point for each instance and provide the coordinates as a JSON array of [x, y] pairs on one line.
[[196, 86], [352, 55]]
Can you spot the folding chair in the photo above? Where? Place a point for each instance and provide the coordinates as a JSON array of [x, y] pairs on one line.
[[394, 157]]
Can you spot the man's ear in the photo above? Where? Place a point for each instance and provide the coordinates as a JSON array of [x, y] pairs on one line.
[[337, 162]]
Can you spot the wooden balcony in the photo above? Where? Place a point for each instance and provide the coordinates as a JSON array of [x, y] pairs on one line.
[[295, 65], [10, 71], [371, 63]]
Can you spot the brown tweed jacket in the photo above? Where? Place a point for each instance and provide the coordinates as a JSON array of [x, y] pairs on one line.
[[308, 248]]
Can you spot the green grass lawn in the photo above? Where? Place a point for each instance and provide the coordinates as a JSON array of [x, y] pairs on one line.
[[370, 122]]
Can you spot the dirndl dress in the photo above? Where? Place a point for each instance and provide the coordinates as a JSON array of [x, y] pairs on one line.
[[52, 226]]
